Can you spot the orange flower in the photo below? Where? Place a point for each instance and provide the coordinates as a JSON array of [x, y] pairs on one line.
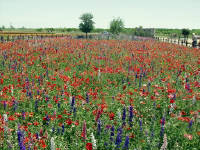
[[184, 119], [198, 133]]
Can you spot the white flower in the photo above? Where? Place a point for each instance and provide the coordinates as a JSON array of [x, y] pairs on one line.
[[93, 141], [119, 113], [164, 146], [99, 74], [5, 117], [52, 144], [70, 99], [194, 100]]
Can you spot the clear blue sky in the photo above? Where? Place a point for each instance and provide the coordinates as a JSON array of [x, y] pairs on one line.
[[66, 13]]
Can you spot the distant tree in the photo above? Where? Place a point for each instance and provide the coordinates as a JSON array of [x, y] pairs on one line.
[[39, 30], [98, 30], [185, 33], [63, 30], [116, 26], [87, 24], [50, 29], [12, 27], [72, 29]]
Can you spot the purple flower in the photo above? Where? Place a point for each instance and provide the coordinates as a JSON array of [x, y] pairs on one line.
[[163, 121], [99, 127], [14, 105], [63, 128], [58, 105], [23, 115], [20, 140], [148, 86], [118, 138], [124, 114], [162, 131], [140, 80], [4, 105], [140, 123], [37, 136], [130, 115], [73, 101], [112, 133], [126, 143], [87, 98], [36, 106], [108, 127], [53, 129], [190, 124]]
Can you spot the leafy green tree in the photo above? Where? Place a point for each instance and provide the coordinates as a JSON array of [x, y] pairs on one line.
[[87, 24], [185, 33], [116, 26], [39, 30], [50, 29]]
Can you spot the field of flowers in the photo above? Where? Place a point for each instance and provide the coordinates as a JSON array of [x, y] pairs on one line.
[[61, 93]]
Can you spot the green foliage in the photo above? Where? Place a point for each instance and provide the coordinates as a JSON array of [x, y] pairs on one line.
[[196, 31], [39, 30], [99, 30], [116, 26], [72, 30], [49, 29], [87, 24], [185, 32], [128, 31]]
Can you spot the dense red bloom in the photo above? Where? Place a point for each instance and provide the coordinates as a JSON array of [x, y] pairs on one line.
[[11, 118], [1, 81], [184, 119], [35, 123], [59, 116], [112, 116], [68, 121], [172, 101], [89, 146], [76, 123]]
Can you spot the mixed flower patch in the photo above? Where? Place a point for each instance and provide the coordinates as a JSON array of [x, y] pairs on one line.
[[93, 94]]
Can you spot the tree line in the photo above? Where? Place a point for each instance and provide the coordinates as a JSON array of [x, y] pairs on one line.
[[116, 27]]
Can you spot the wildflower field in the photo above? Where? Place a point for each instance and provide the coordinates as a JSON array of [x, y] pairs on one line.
[[62, 94]]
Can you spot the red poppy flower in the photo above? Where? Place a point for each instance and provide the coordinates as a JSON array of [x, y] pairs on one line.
[[89, 146], [68, 121], [1, 81], [11, 118], [172, 101], [36, 123], [112, 116]]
